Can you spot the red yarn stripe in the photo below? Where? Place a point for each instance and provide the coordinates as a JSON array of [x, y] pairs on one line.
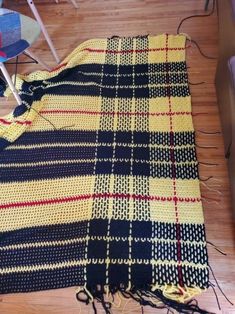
[[101, 195], [3, 121], [116, 113], [131, 51]]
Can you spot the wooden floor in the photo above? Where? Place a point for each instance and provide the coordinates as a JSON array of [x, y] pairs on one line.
[[101, 18]]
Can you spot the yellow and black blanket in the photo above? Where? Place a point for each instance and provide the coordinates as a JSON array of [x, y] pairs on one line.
[[100, 190]]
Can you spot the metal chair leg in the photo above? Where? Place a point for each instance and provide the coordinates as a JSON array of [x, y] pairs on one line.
[[74, 2], [10, 83], [32, 55], [43, 28], [207, 4]]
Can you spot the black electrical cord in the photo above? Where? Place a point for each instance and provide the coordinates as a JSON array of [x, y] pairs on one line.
[[196, 15], [191, 40]]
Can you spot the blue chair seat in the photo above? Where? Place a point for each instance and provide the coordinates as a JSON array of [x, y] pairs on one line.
[[13, 50], [17, 33]]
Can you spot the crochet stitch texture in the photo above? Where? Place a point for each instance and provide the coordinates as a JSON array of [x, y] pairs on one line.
[[111, 197]]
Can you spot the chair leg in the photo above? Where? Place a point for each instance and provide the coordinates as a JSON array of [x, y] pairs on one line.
[[74, 2], [32, 55], [207, 4], [10, 83], [43, 28]]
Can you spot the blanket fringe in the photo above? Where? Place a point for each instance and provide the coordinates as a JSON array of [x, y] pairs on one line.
[[159, 297]]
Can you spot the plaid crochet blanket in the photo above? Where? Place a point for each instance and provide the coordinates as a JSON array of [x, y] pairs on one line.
[[99, 177]]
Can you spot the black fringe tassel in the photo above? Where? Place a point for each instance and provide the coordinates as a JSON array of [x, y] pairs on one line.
[[143, 297]]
